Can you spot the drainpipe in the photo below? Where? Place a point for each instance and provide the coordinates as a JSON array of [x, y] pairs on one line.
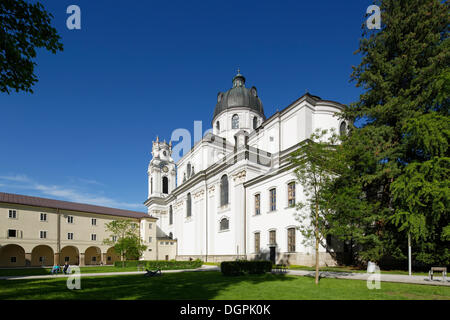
[[245, 222], [206, 214], [58, 237]]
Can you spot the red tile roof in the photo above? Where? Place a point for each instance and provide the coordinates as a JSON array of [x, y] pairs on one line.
[[66, 205]]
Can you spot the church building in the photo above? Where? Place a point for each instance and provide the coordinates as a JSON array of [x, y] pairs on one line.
[[233, 195]]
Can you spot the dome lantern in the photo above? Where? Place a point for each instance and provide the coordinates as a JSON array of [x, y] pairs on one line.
[[239, 97]]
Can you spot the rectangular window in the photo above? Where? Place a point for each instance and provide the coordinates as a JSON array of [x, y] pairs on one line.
[[291, 194], [291, 239], [114, 238], [12, 233], [43, 217], [12, 214], [257, 204], [93, 237], [272, 237], [94, 222], [273, 199], [43, 234], [70, 236], [328, 240], [257, 242], [66, 259], [69, 219], [94, 259], [149, 225], [13, 259]]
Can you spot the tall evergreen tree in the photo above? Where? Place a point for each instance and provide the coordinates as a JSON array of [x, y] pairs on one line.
[[24, 27], [398, 160]]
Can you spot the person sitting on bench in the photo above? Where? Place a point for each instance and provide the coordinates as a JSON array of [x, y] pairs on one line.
[[66, 267], [153, 273], [56, 269]]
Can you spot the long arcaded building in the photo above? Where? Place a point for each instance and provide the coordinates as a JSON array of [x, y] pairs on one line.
[[43, 232]]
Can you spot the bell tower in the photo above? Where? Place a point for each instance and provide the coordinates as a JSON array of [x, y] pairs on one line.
[[161, 170]]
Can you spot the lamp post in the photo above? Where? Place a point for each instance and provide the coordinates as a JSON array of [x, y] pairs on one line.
[[409, 253]]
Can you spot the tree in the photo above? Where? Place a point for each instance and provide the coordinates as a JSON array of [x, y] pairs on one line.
[[315, 163], [399, 156], [24, 28], [128, 243]]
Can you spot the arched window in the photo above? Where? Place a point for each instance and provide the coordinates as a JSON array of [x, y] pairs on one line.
[[188, 205], [224, 190], [224, 224], [165, 183], [343, 129], [273, 199], [255, 122], [170, 215], [291, 240], [291, 194], [218, 126], [235, 122], [151, 185], [171, 235], [188, 170]]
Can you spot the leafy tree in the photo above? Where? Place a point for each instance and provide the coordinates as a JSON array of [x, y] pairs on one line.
[[24, 27], [398, 158], [315, 165], [128, 243]]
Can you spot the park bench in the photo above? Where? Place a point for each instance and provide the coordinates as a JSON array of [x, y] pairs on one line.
[[153, 273], [280, 268], [438, 269]]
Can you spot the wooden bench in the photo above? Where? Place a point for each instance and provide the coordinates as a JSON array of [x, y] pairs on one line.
[[438, 269], [280, 268]]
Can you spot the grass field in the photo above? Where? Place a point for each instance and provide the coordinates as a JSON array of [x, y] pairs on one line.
[[46, 271], [97, 269], [213, 285], [350, 269], [339, 269]]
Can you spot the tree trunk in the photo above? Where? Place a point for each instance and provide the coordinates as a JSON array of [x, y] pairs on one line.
[[317, 242]]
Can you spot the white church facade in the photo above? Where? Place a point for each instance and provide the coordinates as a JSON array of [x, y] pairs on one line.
[[234, 194]]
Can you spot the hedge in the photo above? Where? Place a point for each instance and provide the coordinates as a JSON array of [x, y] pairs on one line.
[[162, 264], [240, 267]]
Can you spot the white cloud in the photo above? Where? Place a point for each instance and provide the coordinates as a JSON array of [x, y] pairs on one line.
[[69, 194], [16, 178]]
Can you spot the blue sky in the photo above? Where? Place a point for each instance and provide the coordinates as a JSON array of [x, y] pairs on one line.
[[138, 69]]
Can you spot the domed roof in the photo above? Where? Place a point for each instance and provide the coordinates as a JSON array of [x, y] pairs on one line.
[[239, 97]]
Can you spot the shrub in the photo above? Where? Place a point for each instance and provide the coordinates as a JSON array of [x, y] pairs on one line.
[[162, 264], [240, 267]]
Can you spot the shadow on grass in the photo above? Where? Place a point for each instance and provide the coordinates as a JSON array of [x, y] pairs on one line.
[[170, 286]]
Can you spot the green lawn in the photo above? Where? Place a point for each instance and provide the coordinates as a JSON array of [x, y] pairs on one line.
[[97, 269], [213, 285], [45, 271], [355, 270]]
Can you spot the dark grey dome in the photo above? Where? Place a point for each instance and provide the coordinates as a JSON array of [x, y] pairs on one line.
[[239, 97]]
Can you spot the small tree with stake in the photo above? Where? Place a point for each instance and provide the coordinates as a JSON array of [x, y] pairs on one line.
[[315, 164], [128, 243]]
